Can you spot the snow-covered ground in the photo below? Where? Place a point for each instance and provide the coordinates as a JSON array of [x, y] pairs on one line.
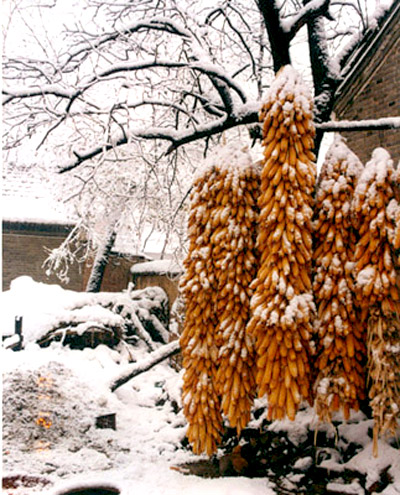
[[136, 457], [52, 397]]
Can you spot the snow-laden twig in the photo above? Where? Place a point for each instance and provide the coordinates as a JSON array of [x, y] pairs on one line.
[[153, 358]]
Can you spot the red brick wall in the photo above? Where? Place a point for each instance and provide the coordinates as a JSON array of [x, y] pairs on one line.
[[375, 95], [24, 254]]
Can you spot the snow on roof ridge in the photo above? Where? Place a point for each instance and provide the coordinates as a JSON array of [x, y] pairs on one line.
[[157, 266], [351, 58]]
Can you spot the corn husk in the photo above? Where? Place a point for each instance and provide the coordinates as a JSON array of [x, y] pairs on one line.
[[340, 339], [282, 305]]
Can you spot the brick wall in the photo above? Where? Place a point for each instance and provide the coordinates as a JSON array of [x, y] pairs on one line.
[[117, 274], [373, 91], [24, 253]]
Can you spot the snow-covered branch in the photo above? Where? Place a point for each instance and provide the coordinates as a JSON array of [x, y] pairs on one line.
[[249, 115], [155, 24], [311, 10], [153, 358], [11, 93], [360, 125]]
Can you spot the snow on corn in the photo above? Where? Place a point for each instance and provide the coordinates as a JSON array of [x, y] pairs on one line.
[[217, 356], [377, 288], [282, 305], [341, 353]]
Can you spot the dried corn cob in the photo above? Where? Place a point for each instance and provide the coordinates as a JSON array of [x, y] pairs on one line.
[[377, 287], [219, 269], [341, 352], [393, 212], [282, 306], [198, 340], [235, 265]]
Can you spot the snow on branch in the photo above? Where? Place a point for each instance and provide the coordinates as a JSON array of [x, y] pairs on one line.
[[153, 358], [177, 139], [360, 125], [45, 89], [311, 10], [249, 115], [155, 24]]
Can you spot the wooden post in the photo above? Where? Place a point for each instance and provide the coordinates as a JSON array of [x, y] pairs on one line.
[[18, 331]]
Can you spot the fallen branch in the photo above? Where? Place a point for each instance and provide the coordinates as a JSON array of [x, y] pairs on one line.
[[153, 358]]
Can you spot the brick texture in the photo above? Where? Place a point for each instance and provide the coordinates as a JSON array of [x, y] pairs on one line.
[[376, 95], [24, 254]]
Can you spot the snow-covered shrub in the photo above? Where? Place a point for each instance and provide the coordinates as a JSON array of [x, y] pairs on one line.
[[82, 319]]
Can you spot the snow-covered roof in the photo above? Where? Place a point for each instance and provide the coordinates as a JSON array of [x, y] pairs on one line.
[[362, 48], [159, 267], [28, 196]]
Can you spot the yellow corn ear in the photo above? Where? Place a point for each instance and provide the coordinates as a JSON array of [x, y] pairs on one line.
[[337, 328], [282, 309]]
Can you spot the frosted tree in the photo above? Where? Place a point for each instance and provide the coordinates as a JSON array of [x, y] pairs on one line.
[[176, 72], [341, 354], [109, 77], [118, 206]]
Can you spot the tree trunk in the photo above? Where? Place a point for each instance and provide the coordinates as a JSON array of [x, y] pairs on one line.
[[100, 261], [279, 40], [325, 81]]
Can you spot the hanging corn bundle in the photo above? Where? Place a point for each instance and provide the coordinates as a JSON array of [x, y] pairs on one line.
[[341, 353], [282, 305], [377, 289], [394, 215], [218, 271], [234, 238]]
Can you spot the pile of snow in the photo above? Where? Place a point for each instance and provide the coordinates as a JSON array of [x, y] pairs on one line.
[[45, 308]]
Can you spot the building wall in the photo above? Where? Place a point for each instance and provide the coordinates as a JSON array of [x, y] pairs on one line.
[[117, 274], [374, 92], [24, 254]]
